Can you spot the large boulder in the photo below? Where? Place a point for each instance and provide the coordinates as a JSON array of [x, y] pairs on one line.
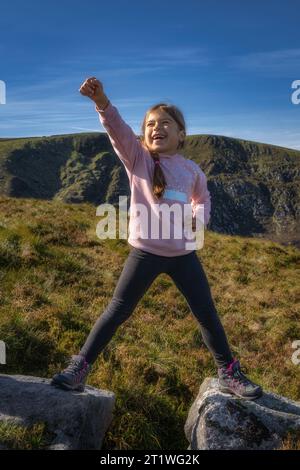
[[73, 420], [218, 420]]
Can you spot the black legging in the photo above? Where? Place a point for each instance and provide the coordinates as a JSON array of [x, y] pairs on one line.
[[139, 271]]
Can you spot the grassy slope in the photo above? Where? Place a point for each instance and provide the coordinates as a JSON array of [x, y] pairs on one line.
[[57, 277]]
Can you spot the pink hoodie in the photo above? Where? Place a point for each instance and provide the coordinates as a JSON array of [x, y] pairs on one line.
[[186, 185]]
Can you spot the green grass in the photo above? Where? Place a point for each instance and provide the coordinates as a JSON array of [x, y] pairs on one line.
[[18, 437], [57, 277], [291, 441]]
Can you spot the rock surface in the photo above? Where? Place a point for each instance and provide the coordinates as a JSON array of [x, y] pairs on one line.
[[74, 420], [221, 421]]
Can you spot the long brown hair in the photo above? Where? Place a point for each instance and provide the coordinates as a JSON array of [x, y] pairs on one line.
[[159, 182]]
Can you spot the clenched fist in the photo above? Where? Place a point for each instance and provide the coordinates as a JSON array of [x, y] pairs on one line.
[[93, 88]]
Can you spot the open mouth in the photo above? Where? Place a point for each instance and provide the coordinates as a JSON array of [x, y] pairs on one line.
[[158, 139]]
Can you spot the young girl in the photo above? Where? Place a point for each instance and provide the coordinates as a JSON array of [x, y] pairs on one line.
[[157, 173]]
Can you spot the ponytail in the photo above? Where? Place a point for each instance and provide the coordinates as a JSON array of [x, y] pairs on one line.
[[159, 182]]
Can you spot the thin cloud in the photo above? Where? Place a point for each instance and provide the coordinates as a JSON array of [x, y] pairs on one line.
[[280, 62], [141, 60], [179, 56], [166, 57]]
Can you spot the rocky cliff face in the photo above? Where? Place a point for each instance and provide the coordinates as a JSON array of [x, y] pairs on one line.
[[254, 187]]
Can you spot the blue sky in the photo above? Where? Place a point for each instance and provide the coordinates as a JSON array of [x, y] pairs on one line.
[[228, 65]]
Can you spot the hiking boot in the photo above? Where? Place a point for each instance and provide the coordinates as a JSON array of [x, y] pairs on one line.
[[232, 380], [74, 376]]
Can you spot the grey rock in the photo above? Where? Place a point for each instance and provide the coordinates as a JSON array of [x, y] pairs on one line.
[[217, 420], [75, 420]]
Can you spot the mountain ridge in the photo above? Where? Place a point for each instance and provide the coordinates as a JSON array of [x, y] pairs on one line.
[[254, 186]]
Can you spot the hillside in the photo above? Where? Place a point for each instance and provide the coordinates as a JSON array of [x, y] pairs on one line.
[[57, 277], [255, 187]]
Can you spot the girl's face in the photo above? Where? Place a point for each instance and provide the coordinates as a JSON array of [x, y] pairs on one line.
[[160, 123]]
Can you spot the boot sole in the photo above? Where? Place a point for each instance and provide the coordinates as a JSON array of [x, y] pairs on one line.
[[228, 390], [65, 386]]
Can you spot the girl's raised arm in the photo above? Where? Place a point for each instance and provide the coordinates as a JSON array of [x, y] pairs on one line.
[[124, 141]]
